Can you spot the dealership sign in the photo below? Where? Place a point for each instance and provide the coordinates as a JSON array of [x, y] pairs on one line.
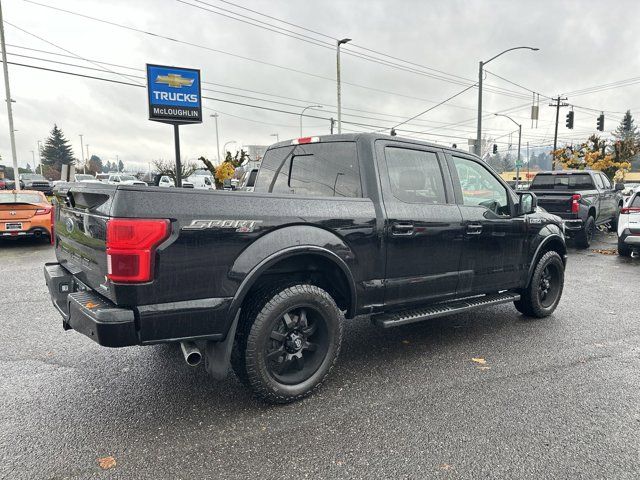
[[174, 94]]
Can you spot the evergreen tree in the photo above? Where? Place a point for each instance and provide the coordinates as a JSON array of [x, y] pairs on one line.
[[120, 166], [29, 168], [626, 143], [57, 151], [95, 164]]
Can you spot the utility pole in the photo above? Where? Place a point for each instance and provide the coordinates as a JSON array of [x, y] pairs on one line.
[[332, 123], [215, 116], [88, 157], [555, 136], [84, 169], [12, 136], [340, 42]]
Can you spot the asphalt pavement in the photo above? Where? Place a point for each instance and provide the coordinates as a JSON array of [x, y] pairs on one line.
[[555, 398]]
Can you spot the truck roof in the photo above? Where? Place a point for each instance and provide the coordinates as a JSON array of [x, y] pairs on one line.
[[562, 172], [343, 137]]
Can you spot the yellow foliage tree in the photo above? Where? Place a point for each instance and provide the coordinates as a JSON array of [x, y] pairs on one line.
[[224, 171], [593, 155]]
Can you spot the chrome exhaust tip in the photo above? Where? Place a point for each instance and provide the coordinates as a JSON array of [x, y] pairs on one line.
[[192, 354]]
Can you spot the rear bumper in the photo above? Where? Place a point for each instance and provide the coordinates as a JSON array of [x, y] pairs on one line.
[[107, 324], [628, 238], [88, 313], [573, 225], [31, 232]]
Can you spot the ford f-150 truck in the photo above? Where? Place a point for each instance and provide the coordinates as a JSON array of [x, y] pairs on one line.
[[584, 199], [338, 226]]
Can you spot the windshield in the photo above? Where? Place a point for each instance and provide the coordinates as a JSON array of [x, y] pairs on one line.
[[81, 177], [20, 198], [127, 178], [562, 181]]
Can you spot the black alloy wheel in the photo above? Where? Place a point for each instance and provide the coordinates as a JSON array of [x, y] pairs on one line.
[[298, 344], [549, 285]]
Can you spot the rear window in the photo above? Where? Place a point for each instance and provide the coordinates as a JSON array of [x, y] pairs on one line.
[[566, 181], [20, 198], [318, 169]]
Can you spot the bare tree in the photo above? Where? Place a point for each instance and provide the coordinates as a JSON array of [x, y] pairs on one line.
[[166, 167]]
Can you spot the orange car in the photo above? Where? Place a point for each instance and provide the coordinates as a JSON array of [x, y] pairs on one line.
[[25, 213]]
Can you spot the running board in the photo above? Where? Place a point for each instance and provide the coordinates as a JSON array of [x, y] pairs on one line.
[[442, 309]]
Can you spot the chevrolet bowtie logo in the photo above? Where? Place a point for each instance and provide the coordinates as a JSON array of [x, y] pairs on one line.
[[174, 80]]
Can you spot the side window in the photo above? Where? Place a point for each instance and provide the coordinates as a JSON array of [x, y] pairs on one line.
[[480, 187], [415, 176], [599, 182], [605, 181], [328, 169]]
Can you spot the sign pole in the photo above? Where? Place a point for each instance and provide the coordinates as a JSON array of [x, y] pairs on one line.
[[176, 135]]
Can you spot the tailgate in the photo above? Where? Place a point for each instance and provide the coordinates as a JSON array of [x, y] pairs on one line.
[[554, 202], [80, 230]]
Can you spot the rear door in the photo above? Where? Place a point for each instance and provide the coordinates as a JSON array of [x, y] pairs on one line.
[[608, 200], [423, 225], [492, 253]]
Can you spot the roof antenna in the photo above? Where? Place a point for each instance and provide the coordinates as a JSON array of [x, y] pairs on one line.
[[393, 132]]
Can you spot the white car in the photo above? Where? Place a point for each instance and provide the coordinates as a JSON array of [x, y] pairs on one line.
[[204, 182], [629, 227], [123, 179], [85, 178], [166, 181]]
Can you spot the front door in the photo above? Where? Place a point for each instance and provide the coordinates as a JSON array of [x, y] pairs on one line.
[[423, 230], [492, 254]]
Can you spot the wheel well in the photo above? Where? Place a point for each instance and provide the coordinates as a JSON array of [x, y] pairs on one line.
[[308, 268], [556, 245], [592, 212]]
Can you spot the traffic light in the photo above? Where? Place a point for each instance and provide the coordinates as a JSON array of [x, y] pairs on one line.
[[601, 122], [495, 148], [570, 120]]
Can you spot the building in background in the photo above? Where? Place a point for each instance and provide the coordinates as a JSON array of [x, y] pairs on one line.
[[255, 152]]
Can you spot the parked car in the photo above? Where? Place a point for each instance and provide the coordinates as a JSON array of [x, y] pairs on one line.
[[6, 184], [338, 226], [187, 184], [25, 213], [203, 182], [123, 179], [103, 177], [584, 199], [35, 181], [166, 181], [85, 177], [629, 227], [248, 180]]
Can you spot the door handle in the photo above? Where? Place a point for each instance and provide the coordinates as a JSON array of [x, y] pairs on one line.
[[474, 229], [402, 228]]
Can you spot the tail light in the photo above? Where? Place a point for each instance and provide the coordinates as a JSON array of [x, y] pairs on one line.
[[575, 205], [53, 222], [44, 211], [628, 210], [303, 140], [131, 248]]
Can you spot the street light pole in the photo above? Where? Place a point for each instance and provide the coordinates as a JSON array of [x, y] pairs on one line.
[[215, 116], [302, 113], [478, 144], [519, 145], [340, 42], [40, 155], [88, 157], [12, 136], [82, 155], [224, 147]]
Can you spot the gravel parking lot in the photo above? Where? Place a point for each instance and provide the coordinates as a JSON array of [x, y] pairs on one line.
[[556, 398]]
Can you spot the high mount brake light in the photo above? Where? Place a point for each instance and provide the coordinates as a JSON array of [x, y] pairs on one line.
[[575, 199], [303, 140], [131, 248]]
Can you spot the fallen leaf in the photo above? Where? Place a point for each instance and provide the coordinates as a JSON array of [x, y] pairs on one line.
[[406, 342], [446, 467], [107, 462], [484, 368], [479, 360], [603, 251], [90, 305]]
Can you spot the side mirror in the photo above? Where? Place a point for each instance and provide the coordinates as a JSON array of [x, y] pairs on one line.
[[619, 187], [528, 203]]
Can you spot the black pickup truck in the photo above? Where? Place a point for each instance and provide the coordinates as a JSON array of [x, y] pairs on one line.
[[338, 226], [584, 199]]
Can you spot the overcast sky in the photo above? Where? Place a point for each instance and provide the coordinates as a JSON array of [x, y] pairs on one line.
[[582, 44]]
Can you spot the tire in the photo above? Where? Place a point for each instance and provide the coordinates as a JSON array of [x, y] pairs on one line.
[[542, 295], [287, 342], [624, 250], [613, 226], [583, 239]]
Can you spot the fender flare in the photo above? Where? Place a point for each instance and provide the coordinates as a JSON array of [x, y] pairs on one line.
[[536, 255], [272, 259]]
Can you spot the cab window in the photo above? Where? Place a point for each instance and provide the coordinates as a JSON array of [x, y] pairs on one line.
[[480, 188], [415, 176], [599, 182]]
